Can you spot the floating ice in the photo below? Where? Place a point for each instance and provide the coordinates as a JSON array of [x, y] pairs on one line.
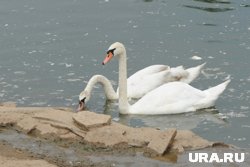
[[73, 80], [1, 94], [236, 114], [51, 63], [244, 107], [245, 126], [196, 58], [38, 104], [68, 65], [33, 51], [19, 72], [71, 74], [222, 52], [116, 119]]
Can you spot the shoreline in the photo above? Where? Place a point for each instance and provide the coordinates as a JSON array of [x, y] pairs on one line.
[[64, 138]]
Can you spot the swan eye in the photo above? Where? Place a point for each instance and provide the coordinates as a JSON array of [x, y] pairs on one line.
[[111, 51]]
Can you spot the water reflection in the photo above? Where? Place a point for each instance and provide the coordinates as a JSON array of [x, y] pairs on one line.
[[147, 0], [245, 5], [209, 24], [180, 121], [209, 9], [214, 1]]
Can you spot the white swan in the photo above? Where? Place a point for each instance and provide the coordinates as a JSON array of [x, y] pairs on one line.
[[154, 75], [170, 98], [157, 75]]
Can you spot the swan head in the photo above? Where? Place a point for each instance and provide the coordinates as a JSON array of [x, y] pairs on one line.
[[116, 49], [83, 99]]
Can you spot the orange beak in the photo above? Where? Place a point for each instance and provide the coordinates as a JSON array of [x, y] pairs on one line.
[[107, 58]]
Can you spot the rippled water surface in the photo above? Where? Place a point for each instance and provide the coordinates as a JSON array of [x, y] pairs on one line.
[[50, 49]]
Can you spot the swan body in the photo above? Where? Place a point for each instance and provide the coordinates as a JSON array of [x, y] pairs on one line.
[[176, 97], [157, 75], [170, 98]]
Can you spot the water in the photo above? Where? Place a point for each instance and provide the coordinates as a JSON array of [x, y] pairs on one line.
[[50, 49]]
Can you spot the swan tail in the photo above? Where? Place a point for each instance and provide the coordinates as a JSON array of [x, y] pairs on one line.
[[215, 91], [193, 73]]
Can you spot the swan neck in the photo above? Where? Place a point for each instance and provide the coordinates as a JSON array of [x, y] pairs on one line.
[[108, 88], [123, 102]]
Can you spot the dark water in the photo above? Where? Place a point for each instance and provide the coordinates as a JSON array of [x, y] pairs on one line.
[[50, 49]]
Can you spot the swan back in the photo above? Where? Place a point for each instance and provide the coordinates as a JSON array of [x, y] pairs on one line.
[[185, 75], [170, 98], [177, 97]]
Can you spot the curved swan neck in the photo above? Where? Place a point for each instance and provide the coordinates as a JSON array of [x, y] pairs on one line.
[[108, 89], [123, 102]]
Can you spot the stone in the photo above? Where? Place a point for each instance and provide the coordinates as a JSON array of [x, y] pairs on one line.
[[160, 143], [107, 136], [58, 118], [26, 124], [98, 130], [87, 120], [187, 140], [141, 137], [9, 119]]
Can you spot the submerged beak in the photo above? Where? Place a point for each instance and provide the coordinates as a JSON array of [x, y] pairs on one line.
[[81, 106], [107, 58]]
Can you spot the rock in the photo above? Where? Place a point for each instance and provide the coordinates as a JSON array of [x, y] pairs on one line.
[[48, 131], [107, 136], [88, 120], [187, 140], [68, 136], [58, 118], [117, 135], [56, 115], [141, 136], [98, 130], [70, 128], [26, 124], [30, 125], [160, 143], [9, 119]]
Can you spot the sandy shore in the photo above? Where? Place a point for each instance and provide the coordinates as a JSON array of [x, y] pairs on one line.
[[11, 157]]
